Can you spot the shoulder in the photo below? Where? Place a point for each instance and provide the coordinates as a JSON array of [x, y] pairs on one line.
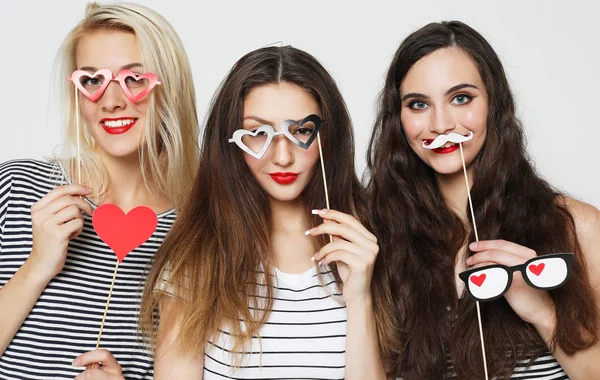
[[586, 217], [587, 226], [30, 179], [29, 168]]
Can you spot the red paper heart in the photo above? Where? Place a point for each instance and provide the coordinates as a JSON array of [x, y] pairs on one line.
[[537, 269], [124, 232], [478, 280]]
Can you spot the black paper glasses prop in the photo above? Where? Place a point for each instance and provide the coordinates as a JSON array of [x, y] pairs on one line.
[[544, 272], [256, 142]]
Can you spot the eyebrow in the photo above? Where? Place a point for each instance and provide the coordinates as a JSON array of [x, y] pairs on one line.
[[263, 121], [126, 67], [258, 119], [450, 90]]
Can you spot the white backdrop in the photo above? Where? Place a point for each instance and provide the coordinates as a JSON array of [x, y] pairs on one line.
[[550, 50]]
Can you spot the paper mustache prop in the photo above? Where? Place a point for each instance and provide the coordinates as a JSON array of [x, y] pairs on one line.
[[441, 140]]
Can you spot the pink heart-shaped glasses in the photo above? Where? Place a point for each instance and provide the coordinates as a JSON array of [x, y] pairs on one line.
[[135, 86]]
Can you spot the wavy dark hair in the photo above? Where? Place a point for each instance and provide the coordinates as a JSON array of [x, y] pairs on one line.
[[222, 236], [420, 236]]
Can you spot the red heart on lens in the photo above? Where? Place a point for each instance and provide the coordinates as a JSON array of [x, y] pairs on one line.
[[124, 232], [537, 269], [478, 280]]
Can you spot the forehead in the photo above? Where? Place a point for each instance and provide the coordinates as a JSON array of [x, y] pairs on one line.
[[441, 70], [280, 101], [107, 49]]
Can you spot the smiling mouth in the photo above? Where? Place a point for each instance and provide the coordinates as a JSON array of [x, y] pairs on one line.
[[118, 126], [448, 147]]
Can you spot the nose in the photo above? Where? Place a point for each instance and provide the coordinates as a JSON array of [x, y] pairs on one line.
[[443, 121], [113, 98], [282, 154]]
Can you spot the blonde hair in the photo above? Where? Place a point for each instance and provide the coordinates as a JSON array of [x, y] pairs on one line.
[[169, 153]]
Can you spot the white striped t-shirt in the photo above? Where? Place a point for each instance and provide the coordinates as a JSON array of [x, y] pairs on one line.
[[304, 337], [65, 320]]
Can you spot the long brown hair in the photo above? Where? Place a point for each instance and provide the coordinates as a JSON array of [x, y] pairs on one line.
[[420, 236], [221, 242]]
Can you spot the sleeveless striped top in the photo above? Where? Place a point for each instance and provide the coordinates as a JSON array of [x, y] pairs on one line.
[[543, 368], [65, 320], [303, 338]]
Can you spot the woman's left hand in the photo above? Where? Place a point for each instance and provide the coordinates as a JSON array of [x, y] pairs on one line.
[[354, 249], [105, 366], [531, 305]]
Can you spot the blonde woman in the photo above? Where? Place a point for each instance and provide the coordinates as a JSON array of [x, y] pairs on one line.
[[138, 146]]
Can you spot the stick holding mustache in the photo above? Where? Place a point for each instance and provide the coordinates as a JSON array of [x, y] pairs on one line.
[[441, 140], [457, 138]]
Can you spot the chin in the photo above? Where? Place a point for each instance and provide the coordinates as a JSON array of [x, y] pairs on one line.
[[283, 193], [121, 152], [283, 196]]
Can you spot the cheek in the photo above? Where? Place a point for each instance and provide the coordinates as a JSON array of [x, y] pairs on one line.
[[141, 107], [475, 119], [414, 124], [310, 157], [253, 164], [88, 110]]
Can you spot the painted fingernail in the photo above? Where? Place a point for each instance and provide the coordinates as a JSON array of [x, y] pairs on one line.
[[308, 232], [473, 245], [319, 212], [321, 263], [75, 362], [314, 257]]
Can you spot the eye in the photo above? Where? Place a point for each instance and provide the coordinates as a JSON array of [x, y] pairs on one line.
[[91, 82], [461, 99], [304, 131], [418, 105], [259, 134], [132, 79]]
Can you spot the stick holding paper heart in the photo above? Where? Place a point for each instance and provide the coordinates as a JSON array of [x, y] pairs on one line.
[[122, 233]]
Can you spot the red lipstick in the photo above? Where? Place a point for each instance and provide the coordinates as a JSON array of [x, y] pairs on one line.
[[449, 149], [109, 125], [442, 150], [284, 178]]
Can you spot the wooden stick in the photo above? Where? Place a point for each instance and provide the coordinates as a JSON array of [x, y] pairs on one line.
[[78, 136], [462, 157], [324, 176], [107, 303]]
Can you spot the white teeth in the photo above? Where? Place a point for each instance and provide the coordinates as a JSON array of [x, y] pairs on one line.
[[448, 144], [117, 123]]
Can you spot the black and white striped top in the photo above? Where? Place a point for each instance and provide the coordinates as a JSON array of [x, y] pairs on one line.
[[543, 368], [304, 337], [65, 321]]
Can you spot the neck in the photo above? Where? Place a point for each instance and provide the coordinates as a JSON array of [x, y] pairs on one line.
[[289, 217], [291, 248], [454, 191], [126, 187]]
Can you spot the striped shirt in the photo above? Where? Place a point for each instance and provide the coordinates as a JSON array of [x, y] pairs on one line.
[[303, 338], [543, 368], [65, 320]]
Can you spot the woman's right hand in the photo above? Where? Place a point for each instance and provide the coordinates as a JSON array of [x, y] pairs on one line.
[[56, 219]]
